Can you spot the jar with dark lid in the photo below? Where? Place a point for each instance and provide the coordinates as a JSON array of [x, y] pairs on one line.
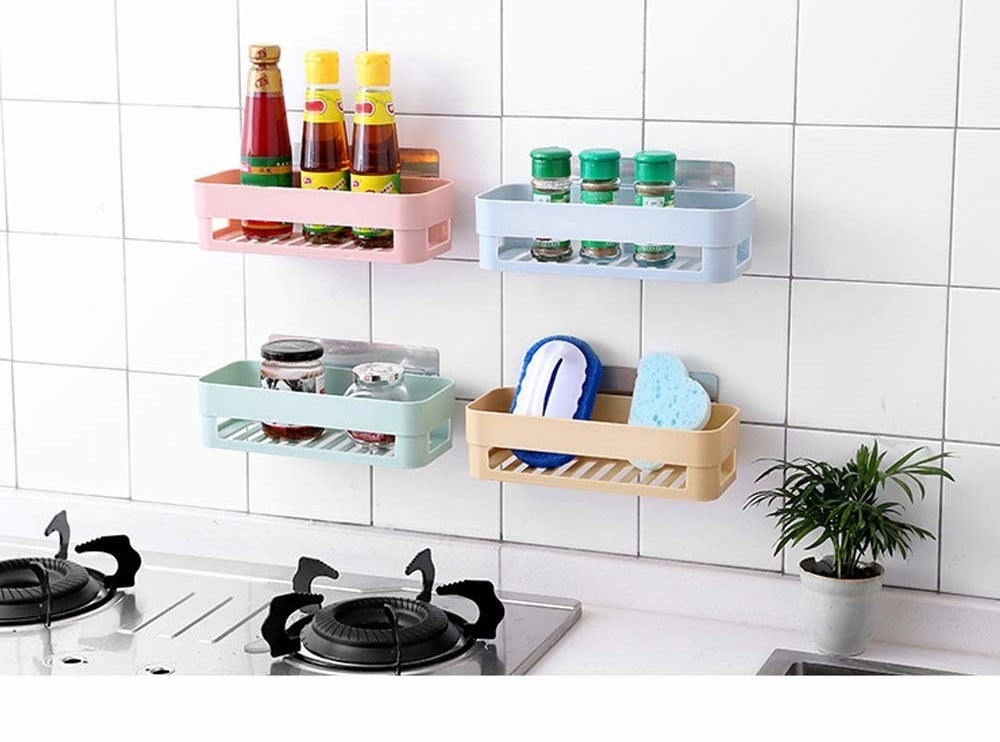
[[293, 365], [654, 188], [381, 381], [599, 185], [550, 183]]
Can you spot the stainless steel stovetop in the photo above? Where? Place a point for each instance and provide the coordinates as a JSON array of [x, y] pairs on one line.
[[202, 617]]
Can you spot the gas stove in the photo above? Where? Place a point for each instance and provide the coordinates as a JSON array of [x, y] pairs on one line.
[[196, 616]]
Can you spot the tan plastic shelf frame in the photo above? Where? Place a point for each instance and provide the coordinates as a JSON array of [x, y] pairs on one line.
[[698, 465]]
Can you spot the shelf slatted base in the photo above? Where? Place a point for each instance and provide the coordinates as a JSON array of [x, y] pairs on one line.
[[248, 433]]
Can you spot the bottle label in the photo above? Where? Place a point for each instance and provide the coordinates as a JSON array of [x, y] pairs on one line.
[[315, 384], [375, 184], [323, 107], [600, 198], [265, 79], [336, 180], [654, 201], [266, 171], [550, 197], [655, 253], [374, 107]]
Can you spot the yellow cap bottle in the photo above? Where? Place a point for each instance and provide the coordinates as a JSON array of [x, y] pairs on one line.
[[372, 69], [322, 67]]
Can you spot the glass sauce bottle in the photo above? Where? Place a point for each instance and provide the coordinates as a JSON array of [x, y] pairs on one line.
[[325, 161], [375, 163], [267, 150]]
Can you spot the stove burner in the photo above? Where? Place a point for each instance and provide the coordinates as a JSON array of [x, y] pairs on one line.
[[388, 633], [38, 589]]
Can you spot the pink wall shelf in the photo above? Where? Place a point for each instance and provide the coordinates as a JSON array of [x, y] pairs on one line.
[[420, 218]]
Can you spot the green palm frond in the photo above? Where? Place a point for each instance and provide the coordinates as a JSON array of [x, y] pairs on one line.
[[844, 506]]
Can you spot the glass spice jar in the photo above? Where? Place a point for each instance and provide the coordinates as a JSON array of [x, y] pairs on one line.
[[293, 365], [654, 188], [599, 185], [377, 380], [550, 184]]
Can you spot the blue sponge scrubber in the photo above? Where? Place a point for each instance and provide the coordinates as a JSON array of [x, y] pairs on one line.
[[666, 397], [560, 378]]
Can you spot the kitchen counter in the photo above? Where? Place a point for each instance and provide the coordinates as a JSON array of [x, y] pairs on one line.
[[615, 641]]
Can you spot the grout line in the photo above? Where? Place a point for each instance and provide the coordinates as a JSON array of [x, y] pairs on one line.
[[791, 248], [121, 190], [10, 305], [947, 305], [503, 287], [642, 282]]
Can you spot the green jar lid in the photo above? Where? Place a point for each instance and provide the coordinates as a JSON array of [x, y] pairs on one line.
[[550, 162], [655, 166], [599, 164]]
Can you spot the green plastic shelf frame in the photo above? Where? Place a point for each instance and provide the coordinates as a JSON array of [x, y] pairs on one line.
[[232, 402]]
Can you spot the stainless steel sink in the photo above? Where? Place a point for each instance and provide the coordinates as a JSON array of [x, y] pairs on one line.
[[787, 662]]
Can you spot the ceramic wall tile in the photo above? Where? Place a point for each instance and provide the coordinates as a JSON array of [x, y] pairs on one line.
[[890, 379], [975, 261], [185, 307], [877, 63], [169, 463], [87, 275], [183, 53], [892, 224], [89, 408], [973, 366], [29, 34], [739, 76], [80, 139], [558, 58]]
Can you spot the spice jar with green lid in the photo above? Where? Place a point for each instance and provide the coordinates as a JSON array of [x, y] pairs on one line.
[[550, 184], [599, 185], [654, 188]]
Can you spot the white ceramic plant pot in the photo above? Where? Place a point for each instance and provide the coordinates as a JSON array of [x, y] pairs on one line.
[[840, 614]]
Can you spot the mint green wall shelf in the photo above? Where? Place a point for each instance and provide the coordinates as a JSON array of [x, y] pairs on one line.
[[232, 403]]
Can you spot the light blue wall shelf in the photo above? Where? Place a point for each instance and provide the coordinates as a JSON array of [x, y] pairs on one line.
[[711, 225], [232, 403]]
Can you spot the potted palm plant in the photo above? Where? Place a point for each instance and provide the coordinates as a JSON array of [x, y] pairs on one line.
[[842, 508]]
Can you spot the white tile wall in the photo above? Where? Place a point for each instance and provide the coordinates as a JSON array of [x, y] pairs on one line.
[[72, 429], [88, 276], [701, 64], [39, 54], [72, 143], [185, 307], [183, 53], [318, 490], [169, 464], [973, 412], [975, 261], [878, 63], [888, 221], [572, 58], [970, 562], [867, 357], [978, 97], [839, 117]]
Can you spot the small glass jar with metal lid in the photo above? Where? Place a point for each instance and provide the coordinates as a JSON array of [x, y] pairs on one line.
[[293, 365], [654, 188], [550, 183], [381, 381], [599, 182]]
